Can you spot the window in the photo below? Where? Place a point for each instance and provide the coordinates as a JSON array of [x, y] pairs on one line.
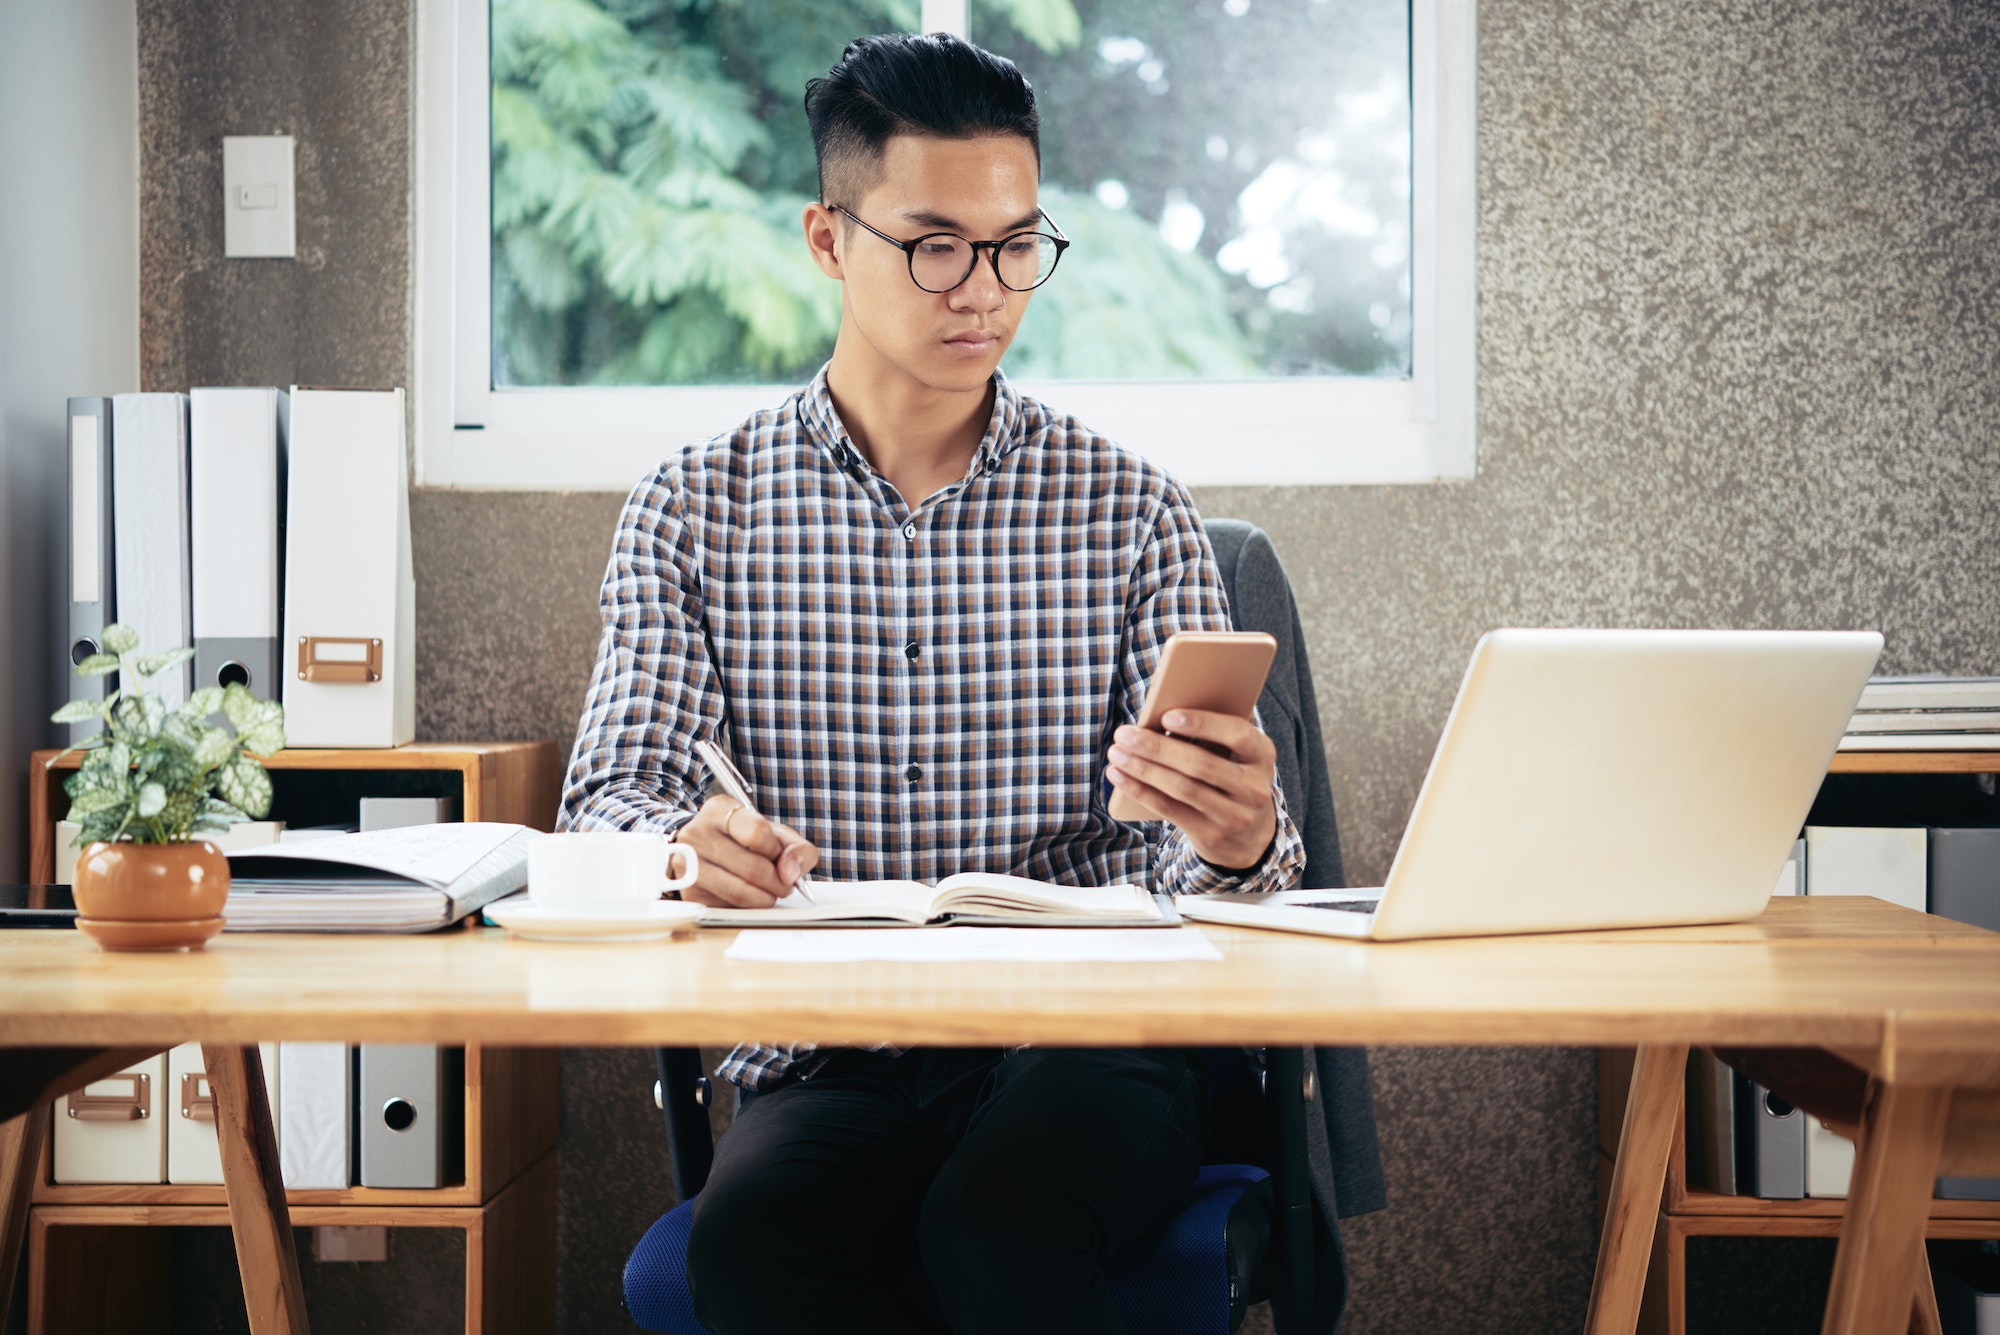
[[1271, 203]]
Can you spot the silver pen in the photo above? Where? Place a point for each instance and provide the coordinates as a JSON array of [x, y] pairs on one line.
[[733, 783]]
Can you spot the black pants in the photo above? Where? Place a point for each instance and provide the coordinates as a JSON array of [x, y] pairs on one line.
[[945, 1189]]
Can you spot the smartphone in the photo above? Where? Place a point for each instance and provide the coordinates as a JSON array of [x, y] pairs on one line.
[[36, 906], [1218, 671]]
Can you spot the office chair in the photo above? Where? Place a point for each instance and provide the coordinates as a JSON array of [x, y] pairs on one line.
[[1251, 1230]]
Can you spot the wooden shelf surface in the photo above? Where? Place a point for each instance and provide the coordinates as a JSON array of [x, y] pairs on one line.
[[411, 755], [1939, 1227], [1695, 1201], [1915, 762]]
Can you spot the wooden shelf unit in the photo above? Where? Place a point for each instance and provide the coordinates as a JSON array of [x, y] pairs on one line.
[[1688, 1212], [102, 1267], [92, 1262], [498, 781]]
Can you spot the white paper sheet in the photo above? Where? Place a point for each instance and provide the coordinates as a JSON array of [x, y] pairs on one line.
[[1035, 944]]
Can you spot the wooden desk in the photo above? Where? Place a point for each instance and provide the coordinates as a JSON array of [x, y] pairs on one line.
[[1914, 1001]]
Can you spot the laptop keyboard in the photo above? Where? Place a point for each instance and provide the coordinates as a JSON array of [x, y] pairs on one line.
[[1341, 905]]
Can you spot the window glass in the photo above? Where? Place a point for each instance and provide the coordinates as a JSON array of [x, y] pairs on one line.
[[1234, 174]]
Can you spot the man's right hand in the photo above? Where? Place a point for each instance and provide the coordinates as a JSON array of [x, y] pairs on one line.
[[747, 862]]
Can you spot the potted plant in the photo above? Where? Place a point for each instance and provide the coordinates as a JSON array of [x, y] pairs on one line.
[[150, 783]]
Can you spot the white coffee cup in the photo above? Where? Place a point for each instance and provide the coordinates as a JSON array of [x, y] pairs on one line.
[[606, 870]]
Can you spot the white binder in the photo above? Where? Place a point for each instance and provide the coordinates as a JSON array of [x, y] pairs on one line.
[[350, 597], [112, 1129], [1829, 1160], [315, 1114], [149, 502], [1888, 862], [193, 1154], [236, 478], [88, 560]]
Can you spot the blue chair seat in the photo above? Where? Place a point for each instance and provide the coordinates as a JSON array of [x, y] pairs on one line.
[[656, 1287], [1190, 1276]]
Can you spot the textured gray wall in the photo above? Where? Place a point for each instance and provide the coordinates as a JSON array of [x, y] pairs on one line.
[[1739, 268], [335, 75]]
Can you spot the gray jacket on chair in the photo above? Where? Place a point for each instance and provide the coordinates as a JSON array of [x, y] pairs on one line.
[[1340, 1141]]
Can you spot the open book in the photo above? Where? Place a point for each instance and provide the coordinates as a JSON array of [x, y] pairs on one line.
[[402, 880], [984, 898]]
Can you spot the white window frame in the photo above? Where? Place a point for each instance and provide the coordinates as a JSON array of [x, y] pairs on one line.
[[1208, 433]]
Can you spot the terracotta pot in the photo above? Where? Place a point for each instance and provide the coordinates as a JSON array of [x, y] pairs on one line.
[[151, 896]]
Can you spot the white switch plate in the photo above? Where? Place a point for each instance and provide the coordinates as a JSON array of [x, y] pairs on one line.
[[259, 219]]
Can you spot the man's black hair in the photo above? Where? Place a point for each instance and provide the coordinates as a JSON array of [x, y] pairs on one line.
[[903, 83]]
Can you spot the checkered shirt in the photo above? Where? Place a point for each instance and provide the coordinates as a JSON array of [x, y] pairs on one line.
[[917, 691]]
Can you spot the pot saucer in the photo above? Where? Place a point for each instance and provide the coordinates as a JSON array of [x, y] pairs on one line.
[[133, 934], [523, 917]]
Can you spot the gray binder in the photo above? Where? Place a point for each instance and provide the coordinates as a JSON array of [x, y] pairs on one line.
[[87, 558], [1965, 876], [409, 1098], [1711, 1124], [1965, 887], [396, 813], [1770, 1144]]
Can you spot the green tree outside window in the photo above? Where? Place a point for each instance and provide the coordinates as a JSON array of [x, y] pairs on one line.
[[651, 158]]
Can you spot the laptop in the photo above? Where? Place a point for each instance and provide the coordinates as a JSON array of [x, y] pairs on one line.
[[1602, 778]]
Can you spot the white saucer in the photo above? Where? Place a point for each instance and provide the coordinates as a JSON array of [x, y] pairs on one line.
[[523, 917]]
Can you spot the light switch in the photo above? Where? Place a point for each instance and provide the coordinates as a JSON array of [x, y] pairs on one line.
[[258, 211]]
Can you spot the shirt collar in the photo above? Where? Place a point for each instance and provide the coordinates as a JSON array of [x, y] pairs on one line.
[[1004, 431]]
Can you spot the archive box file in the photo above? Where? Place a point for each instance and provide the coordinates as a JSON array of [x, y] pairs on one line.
[[350, 597], [112, 1130]]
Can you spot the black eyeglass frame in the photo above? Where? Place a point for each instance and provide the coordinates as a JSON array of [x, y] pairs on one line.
[[992, 249]]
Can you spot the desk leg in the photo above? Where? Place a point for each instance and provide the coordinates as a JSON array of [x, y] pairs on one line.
[[20, 1158], [256, 1189], [1888, 1201], [1658, 1078], [1924, 1318]]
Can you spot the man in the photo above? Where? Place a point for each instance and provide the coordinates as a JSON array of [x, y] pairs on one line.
[[924, 605]]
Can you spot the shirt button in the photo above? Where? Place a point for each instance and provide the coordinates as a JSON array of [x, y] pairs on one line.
[[910, 531], [913, 773], [912, 649]]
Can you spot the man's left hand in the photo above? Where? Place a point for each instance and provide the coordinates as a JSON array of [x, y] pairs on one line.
[[1221, 802]]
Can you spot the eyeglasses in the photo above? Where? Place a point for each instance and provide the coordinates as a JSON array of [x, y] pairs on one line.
[[940, 261]]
